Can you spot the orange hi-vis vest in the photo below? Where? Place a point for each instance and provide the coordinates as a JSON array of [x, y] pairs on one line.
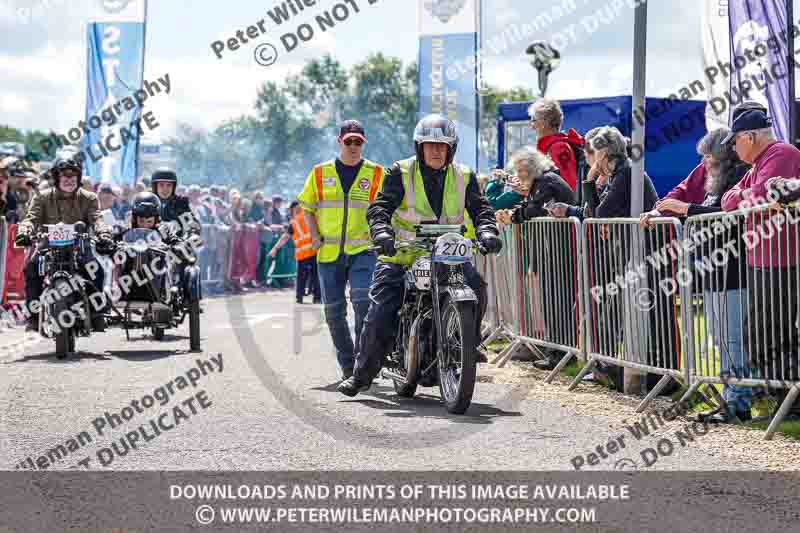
[[301, 236]]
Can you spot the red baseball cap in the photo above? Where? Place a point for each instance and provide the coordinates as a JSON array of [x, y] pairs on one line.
[[352, 128]]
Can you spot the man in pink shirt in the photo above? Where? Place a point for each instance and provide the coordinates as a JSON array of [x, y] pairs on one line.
[[771, 335]]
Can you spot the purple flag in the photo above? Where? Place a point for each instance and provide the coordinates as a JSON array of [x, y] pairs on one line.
[[760, 40]]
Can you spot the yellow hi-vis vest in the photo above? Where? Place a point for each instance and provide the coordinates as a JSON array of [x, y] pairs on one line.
[[341, 218], [415, 207]]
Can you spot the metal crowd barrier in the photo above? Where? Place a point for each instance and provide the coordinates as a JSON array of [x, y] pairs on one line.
[[549, 302], [745, 300], [509, 287], [632, 292]]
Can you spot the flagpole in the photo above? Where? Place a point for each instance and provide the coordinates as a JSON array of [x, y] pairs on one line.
[[790, 66], [144, 57], [634, 381]]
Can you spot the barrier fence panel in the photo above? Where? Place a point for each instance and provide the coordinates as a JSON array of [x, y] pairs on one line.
[[3, 249], [510, 308], [632, 293], [14, 275], [745, 300], [549, 276]]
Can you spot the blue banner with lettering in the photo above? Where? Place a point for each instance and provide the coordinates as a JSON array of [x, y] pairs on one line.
[[115, 70], [448, 76]]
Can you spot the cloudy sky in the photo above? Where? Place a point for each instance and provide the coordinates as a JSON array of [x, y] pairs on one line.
[[42, 55]]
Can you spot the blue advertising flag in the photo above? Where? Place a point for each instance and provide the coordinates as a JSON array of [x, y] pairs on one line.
[[448, 74], [115, 39], [760, 45]]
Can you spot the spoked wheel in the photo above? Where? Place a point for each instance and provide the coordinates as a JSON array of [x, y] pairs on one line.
[[458, 367], [409, 367]]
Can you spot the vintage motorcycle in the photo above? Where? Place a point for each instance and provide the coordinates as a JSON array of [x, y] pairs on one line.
[[436, 339], [64, 309], [165, 287]]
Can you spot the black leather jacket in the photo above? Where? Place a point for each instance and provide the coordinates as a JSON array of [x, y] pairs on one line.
[[173, 208]]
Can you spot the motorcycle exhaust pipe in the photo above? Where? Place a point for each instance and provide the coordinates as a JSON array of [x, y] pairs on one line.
[[388, 374]]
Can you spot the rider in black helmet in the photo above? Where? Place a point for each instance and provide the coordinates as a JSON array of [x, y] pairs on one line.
[[174, 208], [66, 202]]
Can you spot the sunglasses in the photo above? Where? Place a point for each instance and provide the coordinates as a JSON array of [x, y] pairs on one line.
[[351, 142]]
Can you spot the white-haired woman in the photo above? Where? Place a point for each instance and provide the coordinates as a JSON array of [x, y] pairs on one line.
[[540, 180], [550, 290]]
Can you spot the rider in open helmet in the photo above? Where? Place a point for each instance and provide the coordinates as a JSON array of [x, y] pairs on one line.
[[442, 190], [68, 203], [174, 208]]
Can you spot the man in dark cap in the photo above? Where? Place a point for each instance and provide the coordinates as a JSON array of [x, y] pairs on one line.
[[770, 335]]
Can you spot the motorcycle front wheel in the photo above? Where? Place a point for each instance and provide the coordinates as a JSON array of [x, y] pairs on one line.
[[458, 366]]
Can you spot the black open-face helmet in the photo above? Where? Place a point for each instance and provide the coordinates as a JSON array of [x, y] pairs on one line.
[[145, 204], [62, 165], [436, 129], [164, 175]]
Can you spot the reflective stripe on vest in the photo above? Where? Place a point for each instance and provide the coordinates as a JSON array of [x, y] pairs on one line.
[[332, 216], [301, 237]]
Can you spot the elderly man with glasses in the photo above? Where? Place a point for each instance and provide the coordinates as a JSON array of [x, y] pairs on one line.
[[771, 336]]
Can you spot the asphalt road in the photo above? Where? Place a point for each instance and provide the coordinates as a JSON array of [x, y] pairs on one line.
[[269, 408]]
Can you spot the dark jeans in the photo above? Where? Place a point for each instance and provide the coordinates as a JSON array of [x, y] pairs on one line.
[[307, 275], [385, 300], [355, 270]]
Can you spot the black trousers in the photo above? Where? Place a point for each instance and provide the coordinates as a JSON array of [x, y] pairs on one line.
[[380, 325], [307, 275]]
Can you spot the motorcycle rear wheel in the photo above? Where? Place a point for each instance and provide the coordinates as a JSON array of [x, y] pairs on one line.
[[457, 375], [65, 338]]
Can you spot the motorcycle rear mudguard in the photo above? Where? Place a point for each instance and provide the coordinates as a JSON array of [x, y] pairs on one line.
[[191, 283]]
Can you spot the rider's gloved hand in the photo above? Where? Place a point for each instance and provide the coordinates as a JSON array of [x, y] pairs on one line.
[[385, 241], [23, 239], [490, 242]]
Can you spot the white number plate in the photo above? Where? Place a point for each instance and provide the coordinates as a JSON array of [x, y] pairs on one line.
[[452, 249], [61, 234]]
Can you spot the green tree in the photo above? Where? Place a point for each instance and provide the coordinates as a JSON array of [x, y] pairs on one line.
[[490, 98]]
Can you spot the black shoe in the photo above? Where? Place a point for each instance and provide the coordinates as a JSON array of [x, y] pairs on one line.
[[351, 386], [33, 324], [347, 373], [98, 323], [317, 301], [299, 301]]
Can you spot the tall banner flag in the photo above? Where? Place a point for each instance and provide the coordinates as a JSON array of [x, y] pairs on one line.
[[715, 36], [448, 68], [760, 44], [115, 38]]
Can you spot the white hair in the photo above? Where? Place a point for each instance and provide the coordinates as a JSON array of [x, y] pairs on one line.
[[534, 161]]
